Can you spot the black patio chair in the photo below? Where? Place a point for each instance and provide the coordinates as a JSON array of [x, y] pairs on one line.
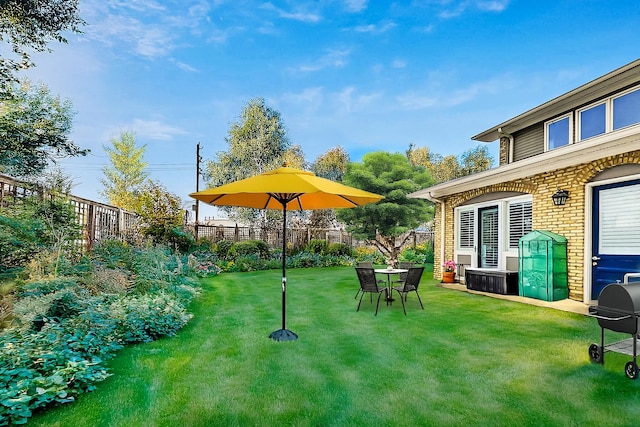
[[369, 284], [403, 276], [410, 285], [366, 264]]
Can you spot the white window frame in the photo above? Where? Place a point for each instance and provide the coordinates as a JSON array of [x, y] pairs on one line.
[[504, 251], [611, 102], [569, 117], [608, 119], [510, 202]]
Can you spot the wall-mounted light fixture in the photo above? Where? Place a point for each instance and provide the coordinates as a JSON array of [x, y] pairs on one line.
[[560, 197]]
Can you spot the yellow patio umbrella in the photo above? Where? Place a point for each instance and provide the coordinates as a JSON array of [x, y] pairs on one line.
[[286, 188]]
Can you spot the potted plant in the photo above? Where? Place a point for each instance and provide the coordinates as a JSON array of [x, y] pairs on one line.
[[448, 271]]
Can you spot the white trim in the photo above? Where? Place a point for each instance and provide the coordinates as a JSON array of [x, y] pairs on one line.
[[588, 236], [620, 95], [607, 119], [596, 148], [598, 88], [570, 131], [504, 251]]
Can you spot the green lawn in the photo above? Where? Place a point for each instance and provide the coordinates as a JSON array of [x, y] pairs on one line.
[[464, 360]]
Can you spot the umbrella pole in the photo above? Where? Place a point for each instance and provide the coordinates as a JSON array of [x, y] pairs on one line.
[[284, 334]]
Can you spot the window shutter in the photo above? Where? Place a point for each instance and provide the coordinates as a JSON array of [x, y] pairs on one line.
[[519, 222], [465, 229]]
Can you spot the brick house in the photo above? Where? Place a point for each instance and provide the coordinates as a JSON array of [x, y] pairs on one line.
[[585, 143]]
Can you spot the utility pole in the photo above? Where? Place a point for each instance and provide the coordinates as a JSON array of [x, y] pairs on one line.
[[198, 159]]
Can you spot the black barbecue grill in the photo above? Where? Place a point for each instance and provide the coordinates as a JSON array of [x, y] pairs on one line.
[[618, 310]]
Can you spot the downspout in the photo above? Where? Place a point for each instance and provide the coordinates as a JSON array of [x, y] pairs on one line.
[[442, 225], [510, 160]]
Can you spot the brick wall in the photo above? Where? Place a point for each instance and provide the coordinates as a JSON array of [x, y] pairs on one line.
[[567, 220]]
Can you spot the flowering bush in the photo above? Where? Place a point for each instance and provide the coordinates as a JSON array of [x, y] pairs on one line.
[[449, 265]]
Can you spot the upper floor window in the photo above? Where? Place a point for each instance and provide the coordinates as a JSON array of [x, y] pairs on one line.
[[592, 121], [557, 132], [608, 115], [626, 110]]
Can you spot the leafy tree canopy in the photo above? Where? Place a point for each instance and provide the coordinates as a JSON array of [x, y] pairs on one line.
[[126, 174], [257, 143], [449, 167], [392, 176], [34, 129], [33, 24], [159, 210], [331, 165]]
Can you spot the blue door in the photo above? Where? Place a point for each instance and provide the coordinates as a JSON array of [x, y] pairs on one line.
[[616, 233]]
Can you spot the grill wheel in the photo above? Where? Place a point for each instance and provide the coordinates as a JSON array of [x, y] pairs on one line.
[[595, 354], [631, 370]]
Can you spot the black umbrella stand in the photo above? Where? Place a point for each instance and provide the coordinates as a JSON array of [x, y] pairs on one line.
[[284, 334]]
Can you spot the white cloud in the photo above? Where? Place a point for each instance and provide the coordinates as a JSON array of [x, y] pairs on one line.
[[436, 94], [298, 15], [154, 130], [399, 63], [456, 8], [183, 66], [351, 101], [375, 29], [333, 58], [356, 5]]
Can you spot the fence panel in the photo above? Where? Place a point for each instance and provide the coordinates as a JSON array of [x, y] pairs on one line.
[[99, 221]]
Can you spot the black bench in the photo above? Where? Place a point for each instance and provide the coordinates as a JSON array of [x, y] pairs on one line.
[[490, 280]]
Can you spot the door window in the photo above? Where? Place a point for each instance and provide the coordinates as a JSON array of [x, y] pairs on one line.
[[488, 239]]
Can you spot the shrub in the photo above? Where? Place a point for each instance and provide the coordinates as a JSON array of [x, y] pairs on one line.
[[39, 287], [249, 247], [45, 367], [369, 254], [316, 246], [144, 318], [179, 240], [420, 254], [109, 281], [339, 249], [222, 248]]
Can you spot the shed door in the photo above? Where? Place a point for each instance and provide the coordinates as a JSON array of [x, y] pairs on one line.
[[488, 237], [616, 233]]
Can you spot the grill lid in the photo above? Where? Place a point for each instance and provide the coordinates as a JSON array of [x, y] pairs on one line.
[[621, 298]]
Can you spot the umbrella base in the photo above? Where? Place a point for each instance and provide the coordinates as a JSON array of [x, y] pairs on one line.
[[283, 335]]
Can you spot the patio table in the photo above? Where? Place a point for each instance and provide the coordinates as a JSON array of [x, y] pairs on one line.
[[389, 272]]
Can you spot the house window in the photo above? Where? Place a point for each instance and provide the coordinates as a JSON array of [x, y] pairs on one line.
[[557, 133], [465, 229], [520, 219], [626, 110], [592, 121]]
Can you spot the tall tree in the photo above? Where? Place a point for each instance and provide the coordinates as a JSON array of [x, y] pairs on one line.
[[257, 143], [126, 174], [160, 211], [32, 24], [331, 165], [475, 160], [387, 224], [449, 167], [34, 130]]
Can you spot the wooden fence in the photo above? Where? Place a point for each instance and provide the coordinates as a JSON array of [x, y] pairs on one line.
[[297, 238], [98, 220]]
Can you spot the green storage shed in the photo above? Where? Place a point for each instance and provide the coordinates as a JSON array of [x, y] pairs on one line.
[[542, 266]]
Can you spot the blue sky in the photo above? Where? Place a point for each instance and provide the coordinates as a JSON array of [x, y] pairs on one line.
[[360, 74]]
